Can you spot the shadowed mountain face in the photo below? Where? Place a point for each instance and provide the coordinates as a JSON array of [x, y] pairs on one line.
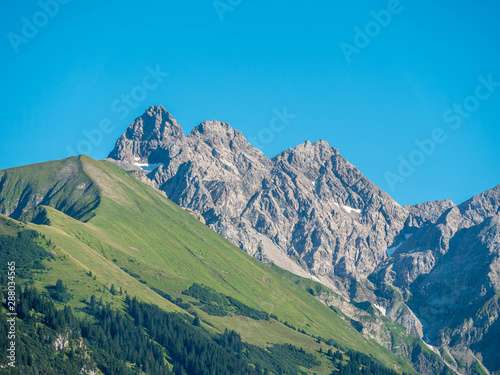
[[451, 268], [432, 267]]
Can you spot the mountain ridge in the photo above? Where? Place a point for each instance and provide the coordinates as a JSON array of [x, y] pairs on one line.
[[155, 250], [312, 212], [431, 270], [245, 169]]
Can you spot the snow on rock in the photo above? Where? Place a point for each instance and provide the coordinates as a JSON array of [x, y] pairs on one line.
[[391, 250], [350, 209], [148, 167]]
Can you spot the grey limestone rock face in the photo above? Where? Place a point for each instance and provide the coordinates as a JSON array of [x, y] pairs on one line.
[[309, 202], [422, 213], [150, 137], [451, 268], [310, 211]]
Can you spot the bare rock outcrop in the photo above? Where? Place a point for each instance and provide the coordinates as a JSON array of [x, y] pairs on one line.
[[309, 203], [432, 267]]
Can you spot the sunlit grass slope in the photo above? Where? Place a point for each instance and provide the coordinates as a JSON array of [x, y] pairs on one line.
[[132, 236]]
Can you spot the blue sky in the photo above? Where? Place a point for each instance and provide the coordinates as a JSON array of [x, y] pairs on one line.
[[379, 80]]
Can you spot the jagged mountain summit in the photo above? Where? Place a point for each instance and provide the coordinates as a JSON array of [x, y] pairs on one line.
[[308, 209], [432, 267]]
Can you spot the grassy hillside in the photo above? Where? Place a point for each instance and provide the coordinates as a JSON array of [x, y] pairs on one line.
[[107, 228], [59, 184]]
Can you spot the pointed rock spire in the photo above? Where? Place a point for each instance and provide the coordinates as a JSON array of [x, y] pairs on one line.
[[149, 138]]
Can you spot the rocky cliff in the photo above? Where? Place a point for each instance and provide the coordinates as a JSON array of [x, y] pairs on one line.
[[307, 209], [432, 267], [450, 269]]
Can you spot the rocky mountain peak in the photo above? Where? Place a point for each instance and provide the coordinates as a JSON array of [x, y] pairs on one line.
[[308, 201], [481, 206], [319, 149], [421, 213], [220, 135], [156, 110], [213, 127], [149, 138], [313, 213], [156, 123]]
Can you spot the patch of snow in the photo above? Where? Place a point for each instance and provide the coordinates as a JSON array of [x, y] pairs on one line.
[[148, 167], [137, 158], [336, 204], [414, 250], [314, 183], [314, 278], [391, 250], [381, 309], [350, 209]]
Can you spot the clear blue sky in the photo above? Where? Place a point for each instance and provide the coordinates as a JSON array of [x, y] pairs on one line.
[[257, 56]]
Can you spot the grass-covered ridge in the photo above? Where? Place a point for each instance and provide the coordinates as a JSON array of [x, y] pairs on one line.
[[61, 184], [162, 247]]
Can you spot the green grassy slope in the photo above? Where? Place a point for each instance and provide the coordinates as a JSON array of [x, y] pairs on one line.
[[130, 235], [60, 184]]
